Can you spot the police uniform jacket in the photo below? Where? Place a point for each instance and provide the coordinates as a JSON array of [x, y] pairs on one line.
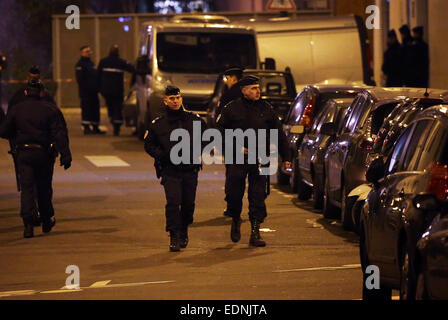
[[248, 114], [20, 96], [110, 74], [228, 96], [35, 121], [86, 76], [157, 137]]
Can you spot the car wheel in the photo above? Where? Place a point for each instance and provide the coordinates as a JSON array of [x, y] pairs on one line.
[[329, 210], [407, 282], [356, 213], [384, 293], [304, 191], [317, 195], [346, 212], [294, 177]]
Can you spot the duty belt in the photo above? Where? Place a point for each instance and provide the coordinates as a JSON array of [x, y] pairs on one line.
[[30, 146]]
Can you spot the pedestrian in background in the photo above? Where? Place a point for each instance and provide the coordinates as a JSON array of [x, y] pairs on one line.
[[179, 180], [40, 133], [392, 61], [407, 56], [110, 74], [250, 112], [87, 78], [421, 59]]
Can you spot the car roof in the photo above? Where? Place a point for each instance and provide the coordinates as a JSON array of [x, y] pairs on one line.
[[379, 93], [436, 112], [325, 88]]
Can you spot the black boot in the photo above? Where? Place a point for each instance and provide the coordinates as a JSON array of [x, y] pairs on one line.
[[235, 233], [87, 129], [48, 225], [255, 238], [117, 129], [97, 130], [227, 213], [183, 237], [174, 241], [29, 231]]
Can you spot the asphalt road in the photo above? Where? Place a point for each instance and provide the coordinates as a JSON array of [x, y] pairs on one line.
[[111, 225]]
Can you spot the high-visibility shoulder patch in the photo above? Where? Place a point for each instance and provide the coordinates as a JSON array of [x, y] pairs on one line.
[[146, 135], [219, 117], [156, 119]]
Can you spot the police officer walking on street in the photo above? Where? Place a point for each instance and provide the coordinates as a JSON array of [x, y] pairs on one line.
[[249, 112], [233, 91], [110, 74], [179, 180], [40, 133], [87, 78]]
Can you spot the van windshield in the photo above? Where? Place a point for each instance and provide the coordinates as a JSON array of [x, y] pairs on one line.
[[205, 52]]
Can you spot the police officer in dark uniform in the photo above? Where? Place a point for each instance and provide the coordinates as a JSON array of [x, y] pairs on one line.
[[110, 74], [19, 95], [179, 180], [407, 56], [40, 133], [233, 92], [87, 78], [249, 112], [421, 59], [392, 61]]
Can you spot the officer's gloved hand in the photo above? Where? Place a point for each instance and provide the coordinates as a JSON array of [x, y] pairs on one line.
[[66, 162]]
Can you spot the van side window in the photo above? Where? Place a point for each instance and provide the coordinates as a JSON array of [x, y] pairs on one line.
[[393, 162], [435, 144], [416, 144]]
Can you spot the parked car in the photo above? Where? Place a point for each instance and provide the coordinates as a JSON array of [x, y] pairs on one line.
[[345, 160], [307, 105], [431, 261], [392, 127], [391, 223], [310, 159], [276, 86]]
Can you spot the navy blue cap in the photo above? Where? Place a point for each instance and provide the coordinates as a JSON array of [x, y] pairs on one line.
[[248, 81], [34, 70], [172, 91]]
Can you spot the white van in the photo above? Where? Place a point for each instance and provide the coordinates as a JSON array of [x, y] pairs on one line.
[[190, 54], [323, 50]]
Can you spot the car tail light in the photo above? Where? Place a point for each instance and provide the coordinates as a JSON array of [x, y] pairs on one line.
[[367, 144], [437, 184], [308, 114]]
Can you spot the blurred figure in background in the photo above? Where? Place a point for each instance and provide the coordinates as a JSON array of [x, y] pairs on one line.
[[421, 59], [392, 61], [407, 56]]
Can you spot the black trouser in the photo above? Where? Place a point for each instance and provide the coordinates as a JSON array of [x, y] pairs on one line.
[[90, 108], [180, 192], [115, 108], [236, 184], [36, 172]]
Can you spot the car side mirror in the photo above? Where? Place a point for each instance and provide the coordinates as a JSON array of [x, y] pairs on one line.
[[328, 129], [426, 202], [376, 171], [142, 66], [269, 64], [297, 129]]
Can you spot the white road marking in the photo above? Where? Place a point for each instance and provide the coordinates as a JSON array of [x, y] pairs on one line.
[[100, 284], [346, 266], [107, 161], [121, 285], [314, 223], [267, 230], [61, 291], [17, 293]]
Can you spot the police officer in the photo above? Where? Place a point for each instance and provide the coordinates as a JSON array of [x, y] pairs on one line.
[[19, 95], [249, 112], [87, 78], [392, 61], [421, 59], [40, 133], [233, 92], [179, 180], [110, 74], [407, 56]]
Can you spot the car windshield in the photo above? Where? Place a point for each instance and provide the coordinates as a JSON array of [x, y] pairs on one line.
[[204, 52], [272, 85]]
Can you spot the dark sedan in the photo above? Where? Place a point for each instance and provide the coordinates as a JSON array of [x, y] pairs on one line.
[[345, 161], [390, 222], [314, 146], [431, 262], [307, 105], [276, 86]]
